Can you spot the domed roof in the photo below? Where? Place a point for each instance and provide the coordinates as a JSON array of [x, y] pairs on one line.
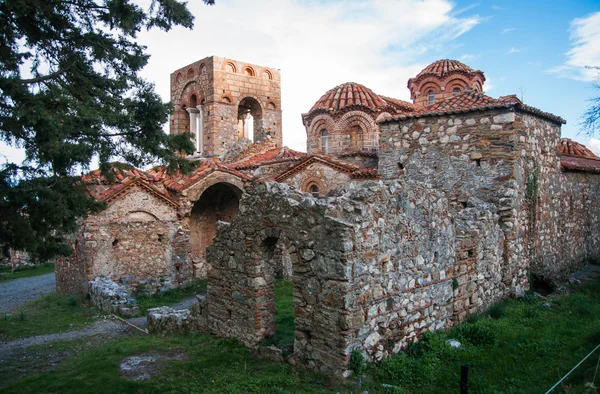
[[444, 67], [572, 148], [349, 94]]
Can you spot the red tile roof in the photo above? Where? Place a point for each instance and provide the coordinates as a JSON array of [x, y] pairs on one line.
[[469, 101], [580, 163], [273, 156], [573, 148], [352, 170], [401, 105], [349, 94], [444, 67]]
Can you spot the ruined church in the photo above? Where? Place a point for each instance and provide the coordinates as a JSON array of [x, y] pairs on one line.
[[401, 217]]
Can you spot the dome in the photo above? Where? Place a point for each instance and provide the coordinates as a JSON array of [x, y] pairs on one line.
[[349, 94], [572, 148], [443, 67]]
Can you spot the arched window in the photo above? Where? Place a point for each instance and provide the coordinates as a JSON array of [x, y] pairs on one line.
[[455, 91], [314, 190], [431, 97], [324, 141]]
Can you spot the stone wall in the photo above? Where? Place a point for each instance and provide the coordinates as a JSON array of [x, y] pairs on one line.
[[321, 175], [371, 268], [476, 154], [137, 241]]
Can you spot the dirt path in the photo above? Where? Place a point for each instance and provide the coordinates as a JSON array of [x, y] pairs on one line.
[[106, 328], [19, 291]]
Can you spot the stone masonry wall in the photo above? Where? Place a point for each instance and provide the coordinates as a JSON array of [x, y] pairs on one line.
[[372, 268], [325, 177], [477, 154], [219, 85], [137, 241]]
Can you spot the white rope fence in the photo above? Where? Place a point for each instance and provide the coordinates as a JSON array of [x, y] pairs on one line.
[[574, 368]]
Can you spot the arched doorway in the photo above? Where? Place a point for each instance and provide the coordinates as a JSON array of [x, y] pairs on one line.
[[219, 202], [250, 120]]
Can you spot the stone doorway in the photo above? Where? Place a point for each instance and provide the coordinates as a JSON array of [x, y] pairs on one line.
[[219, 202]]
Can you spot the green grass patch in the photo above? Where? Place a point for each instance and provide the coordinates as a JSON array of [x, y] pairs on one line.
[[49, 314], [284, 314], [169, 297], [520, 347], [25, 272], [212, 366]]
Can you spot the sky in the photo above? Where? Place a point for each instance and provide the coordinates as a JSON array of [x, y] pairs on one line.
[[535, 49]]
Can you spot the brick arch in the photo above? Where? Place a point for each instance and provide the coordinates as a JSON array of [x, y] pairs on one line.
[[365, 121], [313, 181], [194, 191], [250, 95], [226, 98], [429, 85], [456, 83], [313, 132], [187, 93]]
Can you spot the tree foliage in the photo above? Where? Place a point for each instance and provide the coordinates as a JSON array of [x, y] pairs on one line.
[[70, 93]]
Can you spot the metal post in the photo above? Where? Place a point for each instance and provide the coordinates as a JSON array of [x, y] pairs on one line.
[[464, 379]]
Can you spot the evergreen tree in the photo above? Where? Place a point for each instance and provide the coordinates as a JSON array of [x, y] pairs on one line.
[[70, 92]]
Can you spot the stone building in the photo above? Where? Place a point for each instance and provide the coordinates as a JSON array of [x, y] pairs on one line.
[[400, 218]]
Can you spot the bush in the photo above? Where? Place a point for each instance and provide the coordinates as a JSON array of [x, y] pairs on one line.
[[476, 334], [528, 299]]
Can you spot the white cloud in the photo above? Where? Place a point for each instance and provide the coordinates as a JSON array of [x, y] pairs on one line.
[[496, 7], [317, 45], [508, 30], [467, 57], [594, 145], [585, 50], [513, 50]]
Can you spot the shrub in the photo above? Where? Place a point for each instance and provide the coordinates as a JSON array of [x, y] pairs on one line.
[[528, 299]]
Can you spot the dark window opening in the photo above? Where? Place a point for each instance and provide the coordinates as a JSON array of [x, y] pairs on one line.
[[477, 162], [115, 243], [471, 253], [401, 166], [160, 238], [314, 190]]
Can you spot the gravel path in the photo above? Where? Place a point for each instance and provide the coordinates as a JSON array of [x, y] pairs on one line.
[[19, 291]]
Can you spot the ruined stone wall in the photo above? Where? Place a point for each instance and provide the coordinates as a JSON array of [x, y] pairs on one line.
[[477, 154], [325, 177], [372, 268], [136, 241]]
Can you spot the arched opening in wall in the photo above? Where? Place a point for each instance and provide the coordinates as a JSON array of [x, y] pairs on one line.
[[193, 101], [219, 202], [250, 120], [324, 141], [275, 252], [356, 138], [431, 97]]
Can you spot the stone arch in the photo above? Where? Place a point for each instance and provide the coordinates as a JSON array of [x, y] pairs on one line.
[[178, 78], [190, 73], [313, 181], [140, 216], [230, 67], [241, 283], [358, 131], [186, 91], [271, 105], [251, 110], [455, 83], [267, 74], [249, 71], [319, 123], [193, 192], [202, 69], [430, 85], [218, 202], [226, 98]]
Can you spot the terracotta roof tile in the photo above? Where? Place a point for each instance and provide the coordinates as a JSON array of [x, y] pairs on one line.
[[469, 101], [365, 173], [580, 163], [317, 158], [273, 156], [443, 67], [349, 94], [573, 148]]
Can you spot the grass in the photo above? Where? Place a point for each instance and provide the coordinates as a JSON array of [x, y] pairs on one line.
[[25, 272], [212, 366], [49, 314], [521, 346], [284, 314], [169, 297]]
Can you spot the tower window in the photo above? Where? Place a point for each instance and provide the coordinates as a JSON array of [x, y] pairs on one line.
[[431, 97], [455, 91], [314, 190], [324, 141]]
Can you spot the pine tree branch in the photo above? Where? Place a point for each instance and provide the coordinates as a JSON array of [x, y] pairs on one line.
[[44, 78]]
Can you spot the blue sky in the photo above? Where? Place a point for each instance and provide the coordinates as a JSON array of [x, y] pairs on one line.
[[518, 43], [538, 47]]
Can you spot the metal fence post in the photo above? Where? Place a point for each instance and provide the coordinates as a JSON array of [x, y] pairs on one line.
[[464, 379]]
